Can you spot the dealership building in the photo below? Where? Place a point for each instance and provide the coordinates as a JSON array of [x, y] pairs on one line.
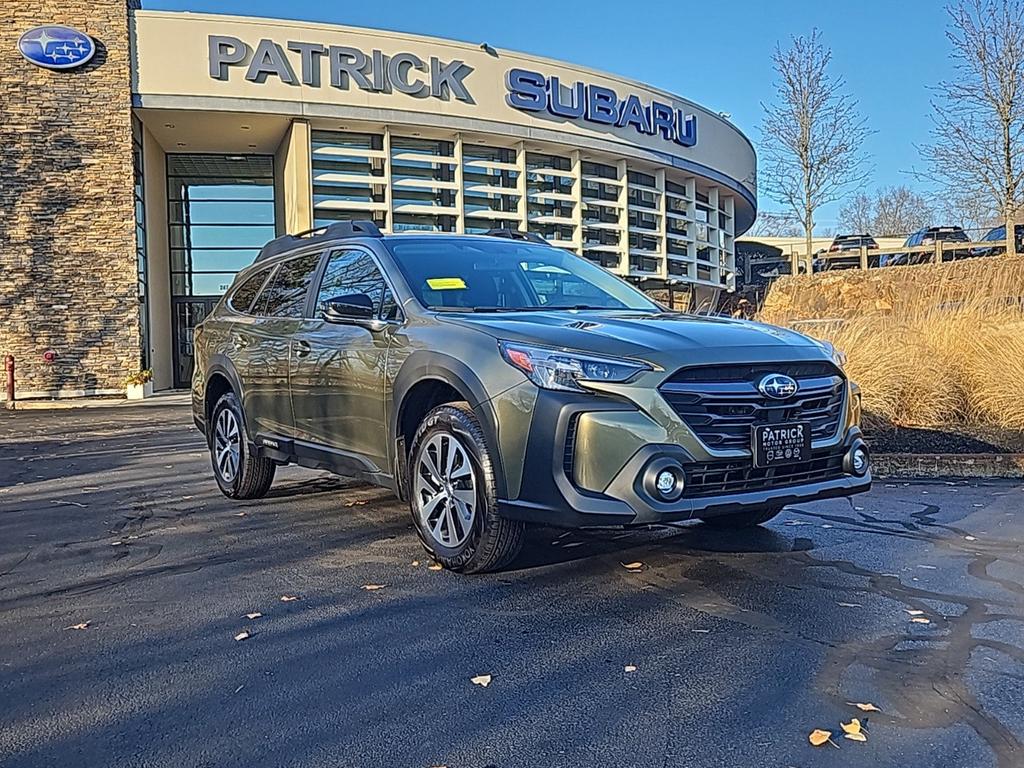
[[148, 155]]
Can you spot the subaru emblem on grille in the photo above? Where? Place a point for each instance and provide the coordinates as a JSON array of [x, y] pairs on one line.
[[777, 386]]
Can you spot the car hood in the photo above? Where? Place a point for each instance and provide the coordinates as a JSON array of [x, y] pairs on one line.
[[665, 339]]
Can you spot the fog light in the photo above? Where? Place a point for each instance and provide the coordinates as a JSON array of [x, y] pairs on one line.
[[859, 461], [663, 479], [665, 482]]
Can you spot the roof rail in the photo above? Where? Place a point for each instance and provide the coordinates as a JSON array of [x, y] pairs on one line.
[[336, 231], [516, 234]]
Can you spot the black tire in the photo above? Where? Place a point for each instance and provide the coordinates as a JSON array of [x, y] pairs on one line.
[[491, 542], [740, 520], [252, 475]]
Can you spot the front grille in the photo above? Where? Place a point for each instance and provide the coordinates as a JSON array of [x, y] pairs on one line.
[[721, 404], [715, 478]]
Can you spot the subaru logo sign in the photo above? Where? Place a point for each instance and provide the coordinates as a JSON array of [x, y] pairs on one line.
[[55, 47], [778, 386]]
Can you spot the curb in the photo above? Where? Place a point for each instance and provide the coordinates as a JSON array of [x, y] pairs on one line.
[[94, 402], [979, 465]]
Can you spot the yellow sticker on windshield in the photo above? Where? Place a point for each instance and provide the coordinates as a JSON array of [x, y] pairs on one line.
[[445, 283]]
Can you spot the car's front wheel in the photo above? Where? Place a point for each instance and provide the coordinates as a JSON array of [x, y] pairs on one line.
[[239, 473], [746, 519], [453, 496]]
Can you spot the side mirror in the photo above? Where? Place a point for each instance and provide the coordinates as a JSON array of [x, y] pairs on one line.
[[348, 307], [353, 309]]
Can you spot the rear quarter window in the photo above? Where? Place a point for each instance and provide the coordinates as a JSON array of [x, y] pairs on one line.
[[242, 297]]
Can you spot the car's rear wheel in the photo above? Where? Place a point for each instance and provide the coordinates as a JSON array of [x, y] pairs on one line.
[[746, 519], [453, 497], [239, 473]]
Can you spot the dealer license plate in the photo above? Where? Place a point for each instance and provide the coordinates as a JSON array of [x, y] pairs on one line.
[[775, 444]]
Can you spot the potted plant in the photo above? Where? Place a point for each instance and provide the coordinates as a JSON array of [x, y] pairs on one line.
[[139, 385]]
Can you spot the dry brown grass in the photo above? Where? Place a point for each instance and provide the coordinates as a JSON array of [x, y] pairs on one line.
[[952, 356]]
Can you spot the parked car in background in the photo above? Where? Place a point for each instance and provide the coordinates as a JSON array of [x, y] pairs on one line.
[[998, 235], [844, 253], [928, 237]]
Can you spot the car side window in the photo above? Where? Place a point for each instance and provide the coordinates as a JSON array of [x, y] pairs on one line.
[[355, 271], [285, 295], [242, 297]]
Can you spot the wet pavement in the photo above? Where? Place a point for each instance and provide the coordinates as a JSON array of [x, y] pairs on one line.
[[742, 643]]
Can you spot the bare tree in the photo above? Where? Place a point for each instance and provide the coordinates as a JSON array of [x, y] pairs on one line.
[[972, 212], [811, 134], [900, 210], [775, 224], [978, 139], [857, 216]]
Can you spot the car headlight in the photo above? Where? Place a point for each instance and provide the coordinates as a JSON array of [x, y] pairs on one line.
[[555, 369], [838, 357]]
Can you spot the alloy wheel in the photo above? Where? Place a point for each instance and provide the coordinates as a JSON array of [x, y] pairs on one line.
[[445, 490], [227, 445]]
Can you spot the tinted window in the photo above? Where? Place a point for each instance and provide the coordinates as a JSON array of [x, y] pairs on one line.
[[285, 296], [242, 298], [354, 271]]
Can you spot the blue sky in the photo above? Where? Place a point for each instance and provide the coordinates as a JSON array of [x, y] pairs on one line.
[[714, 52]]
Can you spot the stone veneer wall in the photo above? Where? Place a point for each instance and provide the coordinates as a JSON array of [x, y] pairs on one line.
[[67, 219], [843, 293]]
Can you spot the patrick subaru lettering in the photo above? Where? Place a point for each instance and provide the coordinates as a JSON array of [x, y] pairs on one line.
[[299, 62], [55, 47], [533, 92]]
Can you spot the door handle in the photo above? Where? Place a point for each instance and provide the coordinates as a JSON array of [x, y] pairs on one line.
[[302, 348]]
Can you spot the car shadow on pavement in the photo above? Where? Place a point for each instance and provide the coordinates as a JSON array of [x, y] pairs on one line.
[[550, 546]]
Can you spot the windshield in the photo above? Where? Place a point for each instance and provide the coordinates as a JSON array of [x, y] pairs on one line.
[[495, 275]]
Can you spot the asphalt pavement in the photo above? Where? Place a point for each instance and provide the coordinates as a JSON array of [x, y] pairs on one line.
[[722, 649]]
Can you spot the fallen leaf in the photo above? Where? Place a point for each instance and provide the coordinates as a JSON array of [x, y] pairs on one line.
[[243, 635], [913, 612], [83, 625], [818, 737], [415, 563], [920, 620], [373, 587], [864, 707], [629, 668], [851, 727], [632, 566], [435, 567], [289, 598], [254, 615], [481, 680], [855, 736]]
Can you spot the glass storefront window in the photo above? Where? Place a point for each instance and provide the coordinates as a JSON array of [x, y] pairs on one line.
[[220, 213]]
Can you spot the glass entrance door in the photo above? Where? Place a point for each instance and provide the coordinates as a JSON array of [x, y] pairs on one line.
[[220, 212], [186, 314]]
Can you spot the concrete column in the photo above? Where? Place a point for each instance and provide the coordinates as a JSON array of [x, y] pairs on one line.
[[524, 211], [293, 180], [460, 193], [623, 218], [577, 202], [158, 257]]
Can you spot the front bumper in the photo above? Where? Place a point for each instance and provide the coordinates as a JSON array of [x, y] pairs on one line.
[[554, 494]]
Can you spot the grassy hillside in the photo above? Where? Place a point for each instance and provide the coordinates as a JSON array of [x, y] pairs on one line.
[[931, 346]]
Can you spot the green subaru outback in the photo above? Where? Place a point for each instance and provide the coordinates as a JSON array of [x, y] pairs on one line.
[[495, 381]]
